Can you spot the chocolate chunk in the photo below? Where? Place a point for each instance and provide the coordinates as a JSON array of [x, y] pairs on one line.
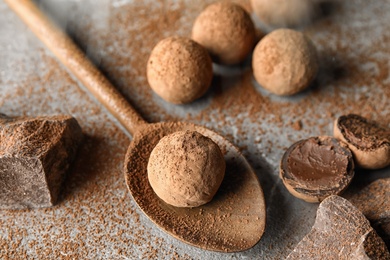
[[368, 141], [374, 202], [340, 232], [34, 156], [315, 168]]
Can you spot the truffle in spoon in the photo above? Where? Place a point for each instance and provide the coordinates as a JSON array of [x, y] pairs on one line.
[[315, 168], [185, 169], [368, 141]]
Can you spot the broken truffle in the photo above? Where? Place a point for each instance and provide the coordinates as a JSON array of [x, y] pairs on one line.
[[315, 168], [368, 141]]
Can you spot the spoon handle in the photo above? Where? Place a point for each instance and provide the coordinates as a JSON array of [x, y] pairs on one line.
[[78, 64]]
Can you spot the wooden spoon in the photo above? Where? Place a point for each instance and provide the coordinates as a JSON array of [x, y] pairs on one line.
[[233, 221]]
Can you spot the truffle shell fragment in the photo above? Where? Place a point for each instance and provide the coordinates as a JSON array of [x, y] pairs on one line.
[[35, 154], [185, 169], [315, 168], [285, 62], [179, 70], [226, 31], [340, 231], [368, 141]]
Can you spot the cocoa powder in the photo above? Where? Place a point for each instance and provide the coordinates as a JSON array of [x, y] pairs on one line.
[[97, 217]]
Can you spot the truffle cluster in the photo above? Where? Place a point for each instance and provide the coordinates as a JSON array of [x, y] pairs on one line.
[[315, 168], [180, 70], [284, 62]]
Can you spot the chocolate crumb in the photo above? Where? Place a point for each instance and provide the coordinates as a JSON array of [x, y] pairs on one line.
[[297, 125]]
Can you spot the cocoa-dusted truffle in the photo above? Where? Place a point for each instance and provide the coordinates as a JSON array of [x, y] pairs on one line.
[[285, 62], [284, 13], [185, 169], [368, 141], [226, 31], [35, 154], [315, 168], [179, 70]]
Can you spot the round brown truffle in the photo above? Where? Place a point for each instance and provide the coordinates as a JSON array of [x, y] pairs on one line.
[[285, 62], [185, 169], [284, 13], [315, 168], [179, 70], [226, 31], [368, 141]]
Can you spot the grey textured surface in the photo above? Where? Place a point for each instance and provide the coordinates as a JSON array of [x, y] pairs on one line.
[[96, 217]]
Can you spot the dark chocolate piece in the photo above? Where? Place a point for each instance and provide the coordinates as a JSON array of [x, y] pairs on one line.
[[35, 153], [374, 202], [315, 168], [368, 141], [340, 232]]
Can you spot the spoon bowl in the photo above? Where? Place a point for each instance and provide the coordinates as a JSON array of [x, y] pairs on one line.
[[233, 221]]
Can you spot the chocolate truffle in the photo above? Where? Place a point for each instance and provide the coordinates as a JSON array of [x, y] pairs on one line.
[[179, 70], [185, 169], [340, 231], [284, 13], [226, 31], [35, 154], [315, 168], [368, 141], [285, 62]]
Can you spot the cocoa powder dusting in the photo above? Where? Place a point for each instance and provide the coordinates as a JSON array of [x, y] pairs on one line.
[[96, 216]]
